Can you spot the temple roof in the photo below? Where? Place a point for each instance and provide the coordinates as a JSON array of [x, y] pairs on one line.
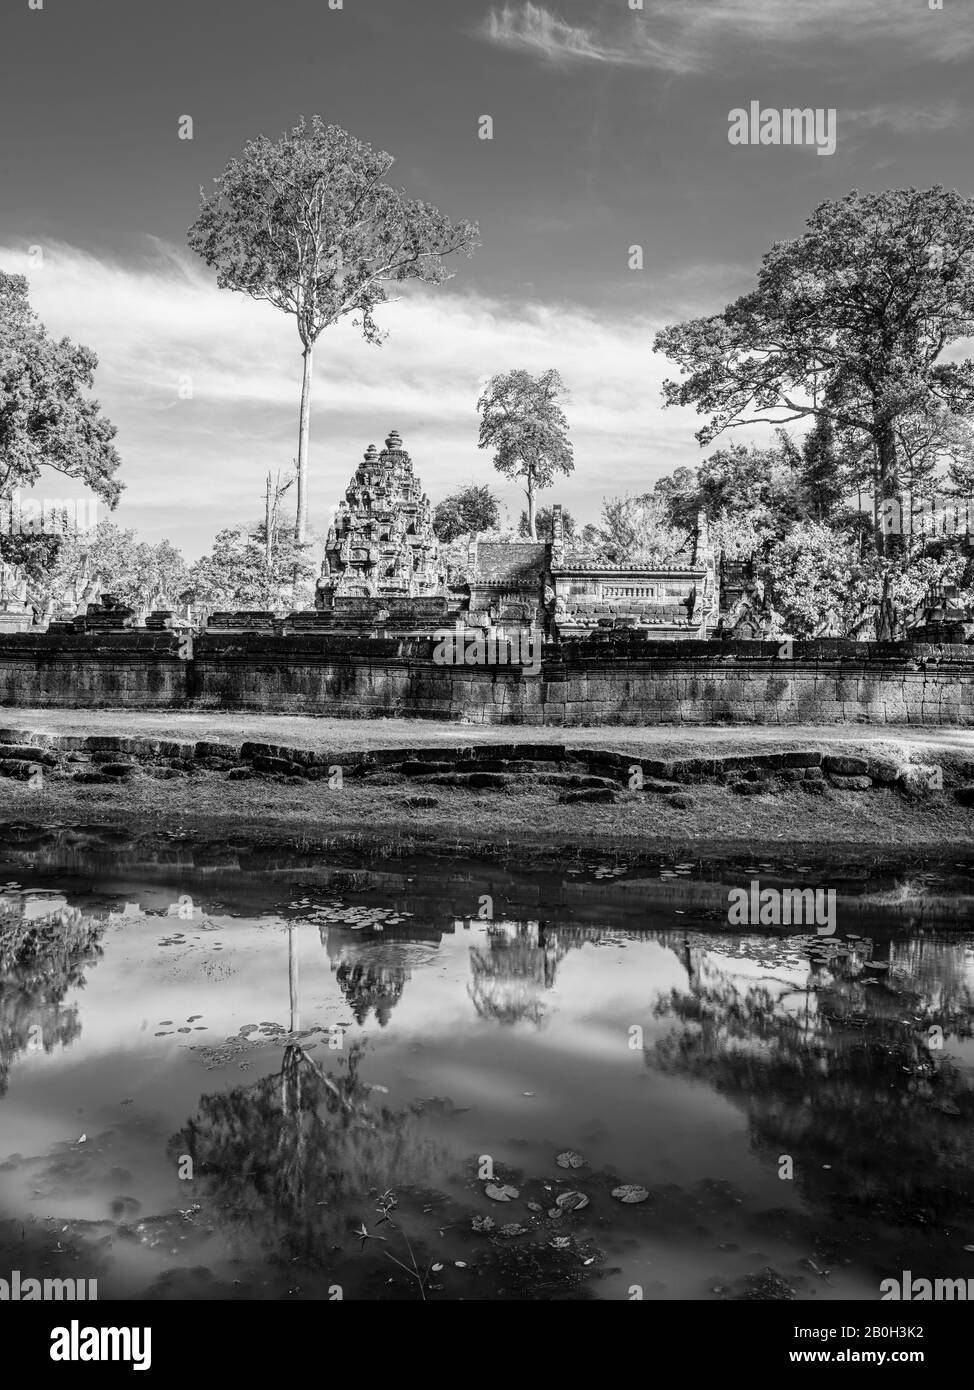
[[567, 565]]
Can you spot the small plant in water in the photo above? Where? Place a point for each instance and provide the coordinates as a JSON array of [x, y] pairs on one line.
[[386, 1203]]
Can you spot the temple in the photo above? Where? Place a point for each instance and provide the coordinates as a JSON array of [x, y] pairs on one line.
[[383, 574], [382, 560]]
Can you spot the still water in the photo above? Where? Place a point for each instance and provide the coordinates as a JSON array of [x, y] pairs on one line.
[[435, 1079]]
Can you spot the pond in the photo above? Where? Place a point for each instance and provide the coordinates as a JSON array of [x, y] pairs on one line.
[[282, 1078]]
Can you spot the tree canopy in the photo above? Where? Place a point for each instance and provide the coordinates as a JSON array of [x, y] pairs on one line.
[[466, 511], [47, 419], [850, 322], [308, 224], [523, 421]]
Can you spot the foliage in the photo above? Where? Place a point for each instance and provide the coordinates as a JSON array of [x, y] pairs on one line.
[[466, 511], [850, 322], [636, 530], [542, 522], [47, 420], [523, 421], [308, 224], [141, 575], [235, 575]]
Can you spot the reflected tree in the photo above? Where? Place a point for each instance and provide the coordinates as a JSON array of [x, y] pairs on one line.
[[838, 1072], [41, 960], [512, 973], [290, 1158]]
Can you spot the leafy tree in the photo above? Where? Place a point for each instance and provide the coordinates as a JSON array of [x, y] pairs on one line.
[[543, 523], [522, 420], [822, 468], [235, 574], [637, 530], [681, 492], [46, 418], [466, 511], [309, 225], [851, 322], [138, 573], [818, 581]]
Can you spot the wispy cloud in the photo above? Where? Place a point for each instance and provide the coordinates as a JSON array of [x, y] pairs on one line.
[[194, 465], [534, 29], [685, 36], [906, 119]]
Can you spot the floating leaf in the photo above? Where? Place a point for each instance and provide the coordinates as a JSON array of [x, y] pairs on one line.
[[630, 1192], [570, 1159], [572, 1201], [501, 1192]]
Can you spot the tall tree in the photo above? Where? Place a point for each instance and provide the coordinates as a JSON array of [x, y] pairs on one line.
[[522, 420], [309, 225], [47, 419], [851, 321], [467, 510], [542, 523]]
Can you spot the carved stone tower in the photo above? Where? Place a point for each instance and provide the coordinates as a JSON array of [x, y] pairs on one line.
[[382, 544]]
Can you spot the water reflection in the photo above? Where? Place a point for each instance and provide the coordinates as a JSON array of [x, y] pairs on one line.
[[842, 1065], [290, 1158], [849, 1055], [42, 958]]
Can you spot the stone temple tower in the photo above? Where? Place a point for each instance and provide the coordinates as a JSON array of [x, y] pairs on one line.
[[382, 544]]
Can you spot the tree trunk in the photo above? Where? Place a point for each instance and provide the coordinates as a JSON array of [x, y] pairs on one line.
[[532, 530], [268, 539], [292, 960], [888, 543], [301, 523]]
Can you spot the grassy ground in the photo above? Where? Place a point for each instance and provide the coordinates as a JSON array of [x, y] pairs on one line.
[[523, 819], [658, 741]]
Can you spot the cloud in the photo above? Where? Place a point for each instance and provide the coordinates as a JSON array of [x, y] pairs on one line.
[[687, 36], [913, 120], [534, 29], [192, 466]]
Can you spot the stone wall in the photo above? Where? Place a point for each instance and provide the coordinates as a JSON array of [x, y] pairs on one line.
[[628, 681]]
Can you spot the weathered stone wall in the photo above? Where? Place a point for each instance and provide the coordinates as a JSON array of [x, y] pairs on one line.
[[125, 669], [624, 682]]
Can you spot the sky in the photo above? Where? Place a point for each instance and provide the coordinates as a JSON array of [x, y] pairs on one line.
[[610, 130]]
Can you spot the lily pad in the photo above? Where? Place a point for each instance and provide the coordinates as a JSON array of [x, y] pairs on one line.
[[630, 1192], [572, 1201], [501, 1192], [570, 1159]]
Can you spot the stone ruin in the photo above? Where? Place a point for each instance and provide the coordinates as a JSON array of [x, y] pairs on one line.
[[382, 544], [382, 568], [16, 615]]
